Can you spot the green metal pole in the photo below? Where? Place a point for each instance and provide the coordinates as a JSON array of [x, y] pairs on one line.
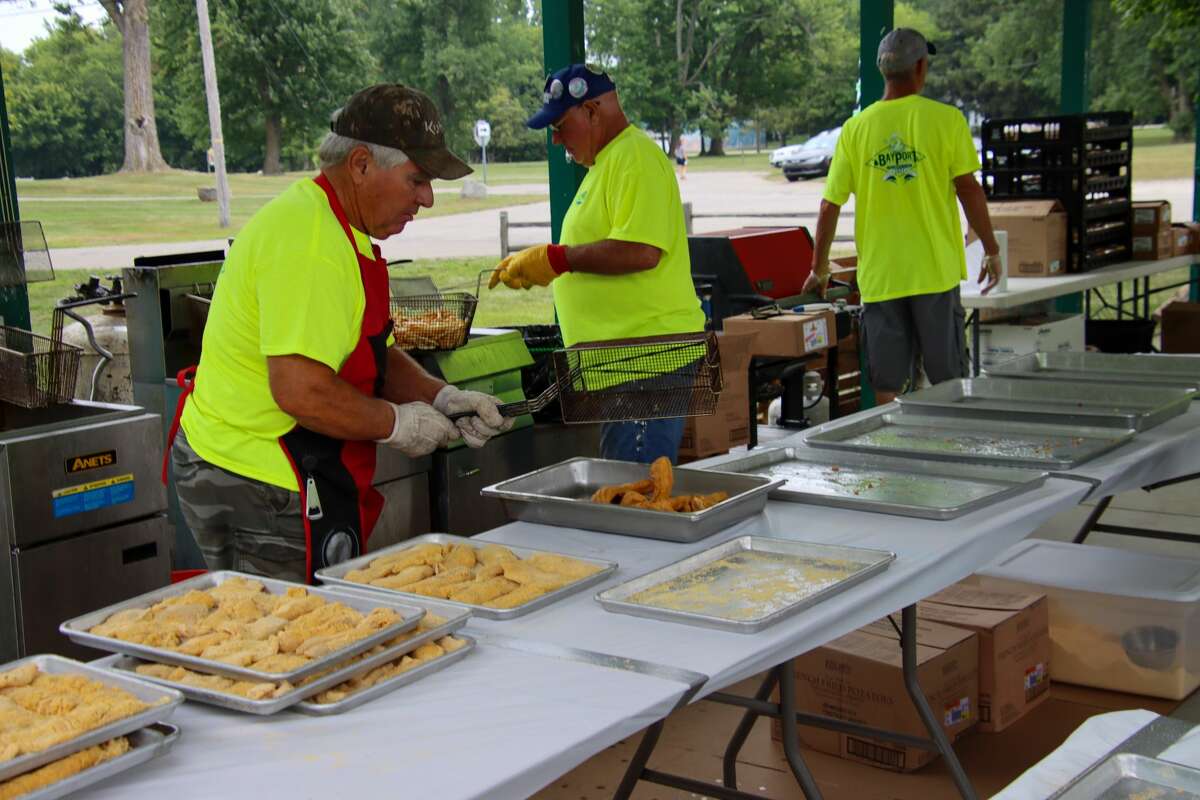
[[1076, 42], [875, 19], [1194, 289], [562, 44], [14, 300]]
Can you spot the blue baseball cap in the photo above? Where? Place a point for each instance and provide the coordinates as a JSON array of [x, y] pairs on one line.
[[566, 89]]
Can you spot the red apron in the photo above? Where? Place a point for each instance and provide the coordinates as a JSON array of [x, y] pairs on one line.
[[334, 476]]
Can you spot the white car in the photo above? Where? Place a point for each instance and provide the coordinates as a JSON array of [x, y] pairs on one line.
[[781, 154]]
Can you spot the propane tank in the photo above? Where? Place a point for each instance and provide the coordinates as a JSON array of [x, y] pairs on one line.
[[114, 382]]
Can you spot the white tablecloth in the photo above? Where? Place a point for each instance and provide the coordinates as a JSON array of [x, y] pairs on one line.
[[1090, 742], [498, 724], [504, 723], [1170, 450], [930, 556]]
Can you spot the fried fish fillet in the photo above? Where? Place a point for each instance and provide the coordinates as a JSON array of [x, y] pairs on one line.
[[59, 770], [417, 572], [477, 592], [524, 573], [563, 565], [517, 597], [491, 554], [664, 478]]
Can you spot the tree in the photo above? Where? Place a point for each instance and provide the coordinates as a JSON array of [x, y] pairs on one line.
[[64, 99], [283, 67], [462, 53], [142, 150]]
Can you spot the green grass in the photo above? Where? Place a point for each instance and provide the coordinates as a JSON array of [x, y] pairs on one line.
[[91, 223], [1156, 156], [498, 307]]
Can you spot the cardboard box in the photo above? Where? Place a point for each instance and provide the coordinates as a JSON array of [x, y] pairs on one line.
[[729, 425], [1181, 328], [787, 334], [1150, 216], [1037, 236], [1184, 238], [860, 678], [1047, 333], [1014, 647], [1152, 247]]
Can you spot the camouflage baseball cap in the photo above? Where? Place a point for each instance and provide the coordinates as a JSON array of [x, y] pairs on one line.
[[394, 115]]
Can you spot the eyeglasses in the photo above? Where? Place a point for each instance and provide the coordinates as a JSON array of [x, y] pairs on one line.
[[557, 126]]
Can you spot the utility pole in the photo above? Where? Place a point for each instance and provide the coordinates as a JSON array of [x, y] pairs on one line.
[[214, 111]]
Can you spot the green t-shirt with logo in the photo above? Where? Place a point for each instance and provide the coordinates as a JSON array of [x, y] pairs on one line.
[[899, 159], [630, 194], [290, 286]]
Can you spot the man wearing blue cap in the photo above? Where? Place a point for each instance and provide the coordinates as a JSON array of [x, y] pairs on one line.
[[906, 159], [621, 269]]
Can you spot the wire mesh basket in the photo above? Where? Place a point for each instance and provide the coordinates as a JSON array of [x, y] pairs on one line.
[[433, 321], [36, 371], [651, 377], [24, 257]]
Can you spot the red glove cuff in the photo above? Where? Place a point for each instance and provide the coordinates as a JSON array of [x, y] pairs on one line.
[[557, 254]]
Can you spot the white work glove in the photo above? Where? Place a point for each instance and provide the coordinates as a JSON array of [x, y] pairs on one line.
[[419, 429], [485, 421]]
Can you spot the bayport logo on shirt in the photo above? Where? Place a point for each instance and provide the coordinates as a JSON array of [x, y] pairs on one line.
[[897, 160]]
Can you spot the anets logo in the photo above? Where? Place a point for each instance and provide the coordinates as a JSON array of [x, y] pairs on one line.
[[91, 461]]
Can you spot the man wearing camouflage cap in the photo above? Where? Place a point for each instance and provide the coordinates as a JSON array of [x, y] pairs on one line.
[[621, 268], [905, 159], [277, 431]]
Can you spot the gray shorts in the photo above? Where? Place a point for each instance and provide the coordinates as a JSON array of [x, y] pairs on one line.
[[239, 523], [929, 326]]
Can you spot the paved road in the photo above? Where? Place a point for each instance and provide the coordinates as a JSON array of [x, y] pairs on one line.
[[478, 233]]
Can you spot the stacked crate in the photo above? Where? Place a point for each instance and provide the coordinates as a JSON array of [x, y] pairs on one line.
[[1082, 160]]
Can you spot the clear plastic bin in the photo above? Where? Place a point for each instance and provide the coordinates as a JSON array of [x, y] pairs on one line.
[[1118, 619]]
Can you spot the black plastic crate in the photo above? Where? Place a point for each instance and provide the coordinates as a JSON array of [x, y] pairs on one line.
[[1029, 184], [1061, 156], [1071, 129], [1120, 335]]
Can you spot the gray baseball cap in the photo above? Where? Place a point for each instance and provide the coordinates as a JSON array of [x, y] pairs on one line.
[[902, 48]]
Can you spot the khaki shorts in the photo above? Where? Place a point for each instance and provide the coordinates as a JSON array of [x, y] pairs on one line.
[[239, 523], [898, 332]]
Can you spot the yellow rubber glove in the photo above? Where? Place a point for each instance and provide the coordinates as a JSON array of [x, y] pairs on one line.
[[523, 270]]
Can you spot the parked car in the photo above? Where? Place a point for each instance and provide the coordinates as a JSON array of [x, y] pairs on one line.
[[779, 154], [813, 157]]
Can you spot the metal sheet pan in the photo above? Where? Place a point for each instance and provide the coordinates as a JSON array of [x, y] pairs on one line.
[[77, 629], [980, 441], [724, 605], [910, 488], [1181, 372], [146, 692], [1125, 775], [390, 685], [455, 619], [336, 575], [561, 495], [1120, 406], [144, 745]]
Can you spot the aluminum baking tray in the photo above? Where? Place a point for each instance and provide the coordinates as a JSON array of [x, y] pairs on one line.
[[718, 595], [168, 700], [981, 441], [355, 700], [910, 488], [1122, 406], [77, 630], [1125, 776], [1181, 372], [336, 575], [144, 745], [561, 495], [455, 619]]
